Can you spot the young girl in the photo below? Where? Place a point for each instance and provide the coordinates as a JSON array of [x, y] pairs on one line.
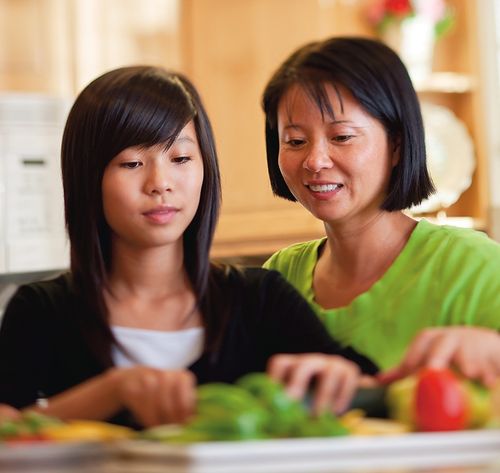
[[143, 316]]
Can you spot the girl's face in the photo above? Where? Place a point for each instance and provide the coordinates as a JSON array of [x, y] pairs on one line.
[[150, 195], [337, 168]]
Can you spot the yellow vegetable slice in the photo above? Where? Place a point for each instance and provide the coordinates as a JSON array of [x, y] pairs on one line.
[[87, 430]]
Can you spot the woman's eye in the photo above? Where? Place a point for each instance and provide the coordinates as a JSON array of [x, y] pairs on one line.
[[295, 142], [181, 159], [131, 164], [342, 138]]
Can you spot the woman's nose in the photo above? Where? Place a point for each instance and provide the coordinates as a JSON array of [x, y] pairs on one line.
[[158, 181], [318, 158]]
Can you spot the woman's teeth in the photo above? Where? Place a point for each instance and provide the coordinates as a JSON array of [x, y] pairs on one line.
[[324, 187]]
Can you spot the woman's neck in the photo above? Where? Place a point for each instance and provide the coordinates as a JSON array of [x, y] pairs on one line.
[[356, 256], [362, 253]]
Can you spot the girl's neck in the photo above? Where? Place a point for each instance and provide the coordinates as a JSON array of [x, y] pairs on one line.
[[154, 272], [150, 289]]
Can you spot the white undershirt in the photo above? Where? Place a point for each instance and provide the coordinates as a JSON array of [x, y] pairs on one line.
[[163, 350]]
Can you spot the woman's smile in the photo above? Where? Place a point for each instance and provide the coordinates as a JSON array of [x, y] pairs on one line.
[[322, 190]]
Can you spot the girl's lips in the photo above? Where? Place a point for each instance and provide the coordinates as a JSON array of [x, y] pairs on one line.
[[161, 215]]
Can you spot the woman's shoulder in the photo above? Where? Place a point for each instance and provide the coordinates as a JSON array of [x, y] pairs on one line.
[[458, 240], [296, 254]]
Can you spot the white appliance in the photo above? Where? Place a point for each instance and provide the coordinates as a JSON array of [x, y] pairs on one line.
[[32, 233]]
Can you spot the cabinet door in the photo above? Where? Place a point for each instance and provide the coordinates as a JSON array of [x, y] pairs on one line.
[[231, 50], [114, 33], [35, 52]]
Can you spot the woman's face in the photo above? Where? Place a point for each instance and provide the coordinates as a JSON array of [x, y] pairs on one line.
[[337, 168], [150, 195]]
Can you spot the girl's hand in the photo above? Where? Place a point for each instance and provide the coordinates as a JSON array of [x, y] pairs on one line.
[[336, 378], [156, 396], [8, 413], [474, 351]]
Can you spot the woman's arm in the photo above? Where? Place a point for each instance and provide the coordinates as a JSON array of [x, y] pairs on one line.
[[301, 350], [293, 327]]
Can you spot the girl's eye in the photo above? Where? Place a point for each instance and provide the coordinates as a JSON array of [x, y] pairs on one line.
[[342, 138], [131, 164], [181, 159]]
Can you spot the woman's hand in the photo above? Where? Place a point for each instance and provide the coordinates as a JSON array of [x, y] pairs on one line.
[[336, 378], [474, 351], [156, 396]]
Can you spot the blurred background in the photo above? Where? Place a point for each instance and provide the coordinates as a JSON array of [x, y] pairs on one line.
[[50, 49]]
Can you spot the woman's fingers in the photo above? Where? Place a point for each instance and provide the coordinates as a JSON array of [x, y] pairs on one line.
[[416, 353], [335, 389], [336, 378], [301, 374], [441, 351], [279, 366], [473, 351]]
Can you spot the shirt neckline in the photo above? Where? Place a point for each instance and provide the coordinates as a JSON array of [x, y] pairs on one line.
[[385, 279]]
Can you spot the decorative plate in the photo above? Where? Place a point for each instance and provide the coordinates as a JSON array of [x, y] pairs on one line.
[[450, 157]]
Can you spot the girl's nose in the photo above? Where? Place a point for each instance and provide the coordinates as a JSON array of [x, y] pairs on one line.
[[158, 181], [318, 158]]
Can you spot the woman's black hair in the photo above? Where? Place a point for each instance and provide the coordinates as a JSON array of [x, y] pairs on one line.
[[131, 106], [376, 77]]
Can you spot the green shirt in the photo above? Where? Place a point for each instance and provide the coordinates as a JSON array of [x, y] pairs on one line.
[[444, 276]]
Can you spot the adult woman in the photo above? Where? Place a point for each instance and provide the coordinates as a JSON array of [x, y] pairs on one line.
[[142, 302], [345, 138]]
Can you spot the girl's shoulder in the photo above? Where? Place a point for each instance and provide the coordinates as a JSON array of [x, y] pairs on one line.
[[56, 289], [238, 276], [44, 299]]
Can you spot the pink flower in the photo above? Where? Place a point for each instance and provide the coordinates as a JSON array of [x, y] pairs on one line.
[[433, 9], [380, 12]]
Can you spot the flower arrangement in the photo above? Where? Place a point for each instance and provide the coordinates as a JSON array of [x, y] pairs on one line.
[[382, 13]]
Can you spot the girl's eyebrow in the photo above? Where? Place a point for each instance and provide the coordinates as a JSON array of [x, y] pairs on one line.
[[181, 139]]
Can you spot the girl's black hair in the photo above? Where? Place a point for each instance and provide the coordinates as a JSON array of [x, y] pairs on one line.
[[379, 81], [132, 106]]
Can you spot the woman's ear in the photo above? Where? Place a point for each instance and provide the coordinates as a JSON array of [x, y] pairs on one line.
[[396, 153]]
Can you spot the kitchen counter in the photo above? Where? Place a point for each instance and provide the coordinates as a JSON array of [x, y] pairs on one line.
[[457, 452]]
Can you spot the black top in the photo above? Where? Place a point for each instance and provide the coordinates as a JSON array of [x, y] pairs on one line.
[[43, 351]]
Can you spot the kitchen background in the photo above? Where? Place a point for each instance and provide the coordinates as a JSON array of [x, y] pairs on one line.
[[50, 49]]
